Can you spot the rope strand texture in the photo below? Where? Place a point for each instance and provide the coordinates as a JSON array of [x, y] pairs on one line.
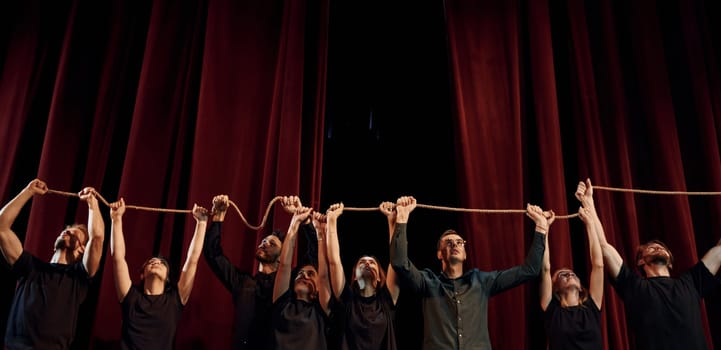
[[426, 206]]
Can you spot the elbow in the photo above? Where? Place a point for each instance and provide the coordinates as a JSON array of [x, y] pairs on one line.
[[335, 265], [546, 268]]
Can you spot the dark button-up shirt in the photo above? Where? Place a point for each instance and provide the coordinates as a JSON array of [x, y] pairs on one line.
[[455, 311]]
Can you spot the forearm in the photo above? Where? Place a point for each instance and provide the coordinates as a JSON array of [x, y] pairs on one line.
[[324, 292], [117, 240], [120, 266], [399, 247], [712, 259], [335, 265], [187, 276], [611, 259], [594, 246], [532, 265], [282, 276], [196, 244], [94, 247], [10, 211]]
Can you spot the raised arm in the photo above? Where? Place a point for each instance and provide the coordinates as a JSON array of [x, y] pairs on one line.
[[291, 204], [531, 267], [96, 231], [324, 292], [546, 283], [399, 245], [543, 223], [611, 259], [187, 275], [117, 250], [10, 244], [387, 208], [282, 276], [712, 259], [335, 265], [212, 249], [590, 218]]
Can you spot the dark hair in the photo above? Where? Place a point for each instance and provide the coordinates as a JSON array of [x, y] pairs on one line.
[[642, 248], [445, 233], [278, 233], [162, 261]]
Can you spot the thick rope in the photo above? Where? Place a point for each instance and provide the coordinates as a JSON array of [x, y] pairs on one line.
[[617, 189], [426, 206]]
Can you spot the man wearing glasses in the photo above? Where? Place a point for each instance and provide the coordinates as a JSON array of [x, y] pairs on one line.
[[455, 303]]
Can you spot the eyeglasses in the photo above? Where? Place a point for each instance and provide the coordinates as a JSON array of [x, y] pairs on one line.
[[454, 242], [566, 274]]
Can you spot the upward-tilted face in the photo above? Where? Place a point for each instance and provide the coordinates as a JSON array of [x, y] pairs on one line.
[[654, 253], [367, 269], [71, 238], [306, 282], [268, 250], [452, 249], [155, 267], [565, 279]]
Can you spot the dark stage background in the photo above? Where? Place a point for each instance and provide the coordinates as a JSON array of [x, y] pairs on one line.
[[473, 104]]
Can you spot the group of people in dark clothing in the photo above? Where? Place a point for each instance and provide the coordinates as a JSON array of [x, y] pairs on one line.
[[313, 306]]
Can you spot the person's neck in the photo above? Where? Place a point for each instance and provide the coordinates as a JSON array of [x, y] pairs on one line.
[[268, 268], [453, 270], [153, 286], [366, 288], [569, 298], [656, 270], [63, 256], [304, 296]]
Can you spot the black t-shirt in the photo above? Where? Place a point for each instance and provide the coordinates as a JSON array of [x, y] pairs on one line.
[[575, 327], [665, 312], [252, 294], [298, 324], [150, 321], [369, 320], [44, 312]]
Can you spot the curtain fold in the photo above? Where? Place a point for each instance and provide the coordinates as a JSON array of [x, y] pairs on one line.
[[164, 104], [618, 92]]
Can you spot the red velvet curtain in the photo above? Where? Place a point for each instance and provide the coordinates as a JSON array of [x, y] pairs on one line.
[[164, 104], [627, 92], [169, 103]]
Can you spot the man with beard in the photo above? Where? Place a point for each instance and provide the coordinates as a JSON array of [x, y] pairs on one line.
[[45, 309], [663, 312], [252, 293], [455, 302]]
